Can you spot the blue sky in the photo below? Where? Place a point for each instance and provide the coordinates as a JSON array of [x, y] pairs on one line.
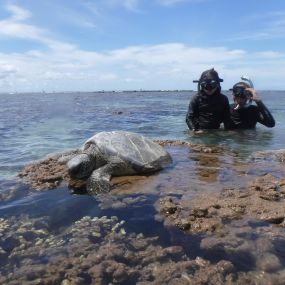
[[89, 45]]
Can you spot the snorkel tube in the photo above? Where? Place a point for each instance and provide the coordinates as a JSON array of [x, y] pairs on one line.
[[247, 79], [199, 86]]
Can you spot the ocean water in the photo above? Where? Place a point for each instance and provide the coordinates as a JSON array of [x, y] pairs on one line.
[[34, 125]]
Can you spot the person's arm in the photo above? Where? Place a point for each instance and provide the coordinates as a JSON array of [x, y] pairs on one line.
[[264, 116], [192, 120]]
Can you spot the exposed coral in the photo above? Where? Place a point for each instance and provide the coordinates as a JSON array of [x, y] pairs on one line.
[[209, 212], [46, 174]]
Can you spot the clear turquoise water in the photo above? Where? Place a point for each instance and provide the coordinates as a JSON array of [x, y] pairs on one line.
[[33, 125]]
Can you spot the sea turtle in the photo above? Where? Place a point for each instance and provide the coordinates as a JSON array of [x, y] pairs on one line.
[[116, 153]]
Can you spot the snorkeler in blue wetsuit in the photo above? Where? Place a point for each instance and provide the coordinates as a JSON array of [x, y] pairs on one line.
[[245, 115]]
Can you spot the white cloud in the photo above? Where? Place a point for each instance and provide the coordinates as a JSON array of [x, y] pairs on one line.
[[64, 66], [165, 66], [14, 26], [19, 14], [270, 55], [84, 17], [271, 25], [6, 70]]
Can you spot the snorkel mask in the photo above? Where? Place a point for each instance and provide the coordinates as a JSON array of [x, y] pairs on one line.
[[209, 82], [239, 91]]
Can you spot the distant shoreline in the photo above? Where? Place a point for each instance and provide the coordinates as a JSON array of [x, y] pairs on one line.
[[115, 91], [99, 91]]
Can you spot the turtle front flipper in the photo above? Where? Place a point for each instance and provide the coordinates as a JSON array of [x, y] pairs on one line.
[[99, 181]]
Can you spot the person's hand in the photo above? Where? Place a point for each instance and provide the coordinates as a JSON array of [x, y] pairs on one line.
[[254, 96]]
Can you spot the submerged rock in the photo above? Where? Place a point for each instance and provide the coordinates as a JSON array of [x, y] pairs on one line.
[[96, 251], [270, 155], [47, 173], [263, 199], [230, 233]]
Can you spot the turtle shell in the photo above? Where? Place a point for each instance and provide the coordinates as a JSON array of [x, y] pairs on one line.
[[132, 148]]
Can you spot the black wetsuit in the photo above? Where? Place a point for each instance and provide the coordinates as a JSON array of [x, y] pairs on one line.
[[248, 117], [208, 112]]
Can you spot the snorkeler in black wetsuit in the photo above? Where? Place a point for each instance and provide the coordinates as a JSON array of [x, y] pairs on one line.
[[209, 107], [245, 115]]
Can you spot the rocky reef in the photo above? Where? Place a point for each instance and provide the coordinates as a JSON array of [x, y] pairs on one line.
[[225, 216], [100, 251], [50, 172], [263, 199]]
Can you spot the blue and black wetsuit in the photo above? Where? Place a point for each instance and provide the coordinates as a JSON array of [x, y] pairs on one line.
[[248, 117]]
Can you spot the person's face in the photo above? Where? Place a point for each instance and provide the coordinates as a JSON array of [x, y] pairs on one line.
[[240, 96], [240, 100], [209, 86]]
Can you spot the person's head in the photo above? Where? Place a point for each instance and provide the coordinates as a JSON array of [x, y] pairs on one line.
[[210, 82], [240, 94]]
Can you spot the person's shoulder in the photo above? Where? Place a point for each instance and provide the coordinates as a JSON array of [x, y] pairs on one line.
[[224, 97], [195, 96], [252, 107]]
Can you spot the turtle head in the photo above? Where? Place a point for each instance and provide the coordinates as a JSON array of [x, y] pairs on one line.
[[81, 165]]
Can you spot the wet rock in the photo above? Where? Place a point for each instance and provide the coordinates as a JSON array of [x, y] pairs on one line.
[[198, 212], [117, 112], [259, 278], [8, 194], [269, 187], [168, 206], [183, 224], [235, 230], [273, 218], [110, 259], [46, 174], [268, 262], [173, 142], [270, 155], [263, 199]]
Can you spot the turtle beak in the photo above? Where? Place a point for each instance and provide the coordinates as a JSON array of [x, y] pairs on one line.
[[80, 166]]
